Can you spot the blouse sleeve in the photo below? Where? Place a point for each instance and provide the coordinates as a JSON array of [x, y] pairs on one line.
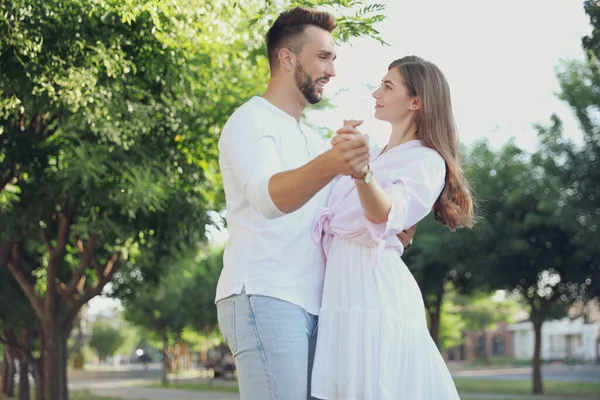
[[413, 191]]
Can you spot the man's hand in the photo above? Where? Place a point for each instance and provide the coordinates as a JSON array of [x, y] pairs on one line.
[[349, 133], [350, 152], [346, 131], [406, 236]]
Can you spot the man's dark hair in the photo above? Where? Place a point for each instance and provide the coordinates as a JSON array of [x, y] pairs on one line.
[[288, 29]]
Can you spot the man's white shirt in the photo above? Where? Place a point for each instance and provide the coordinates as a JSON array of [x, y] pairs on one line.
[[269, 253]]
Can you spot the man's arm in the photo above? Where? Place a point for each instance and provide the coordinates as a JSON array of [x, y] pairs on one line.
[[406, 236], [290, 190], [253, 158]]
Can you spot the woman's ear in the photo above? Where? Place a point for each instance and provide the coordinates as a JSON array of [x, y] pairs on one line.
[[415, 104]]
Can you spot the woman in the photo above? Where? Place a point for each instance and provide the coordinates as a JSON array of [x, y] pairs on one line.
[[373, 342]]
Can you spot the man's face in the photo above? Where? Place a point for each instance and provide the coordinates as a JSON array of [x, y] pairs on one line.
[[314, 65]]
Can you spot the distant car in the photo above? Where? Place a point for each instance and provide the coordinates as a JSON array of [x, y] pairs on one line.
[[222, 368], [144, 358]]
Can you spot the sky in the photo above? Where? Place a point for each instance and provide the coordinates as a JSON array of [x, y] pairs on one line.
[[499, 58]]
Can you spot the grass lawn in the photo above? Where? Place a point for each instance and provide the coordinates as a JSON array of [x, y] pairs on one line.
[[471, 385], [499, 362]]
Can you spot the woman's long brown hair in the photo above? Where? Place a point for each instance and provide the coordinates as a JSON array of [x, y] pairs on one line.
[[437, 130]]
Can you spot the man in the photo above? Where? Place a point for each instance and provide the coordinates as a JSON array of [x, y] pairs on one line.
[[274, 169]]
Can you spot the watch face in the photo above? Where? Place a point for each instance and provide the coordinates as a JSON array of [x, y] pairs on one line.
[[368, 176]]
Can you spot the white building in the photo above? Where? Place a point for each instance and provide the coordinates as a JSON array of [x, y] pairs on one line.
[[561, 339]]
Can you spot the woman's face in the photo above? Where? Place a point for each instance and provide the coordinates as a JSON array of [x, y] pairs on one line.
[[393, 101]]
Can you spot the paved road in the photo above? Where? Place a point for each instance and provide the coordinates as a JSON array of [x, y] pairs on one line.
[[562, 373], [122, 384], [103, 373]]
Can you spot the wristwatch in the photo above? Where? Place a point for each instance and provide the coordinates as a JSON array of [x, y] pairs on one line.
[[366, 178]]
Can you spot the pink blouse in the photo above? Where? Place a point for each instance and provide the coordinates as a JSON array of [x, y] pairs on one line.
[[411, 174]]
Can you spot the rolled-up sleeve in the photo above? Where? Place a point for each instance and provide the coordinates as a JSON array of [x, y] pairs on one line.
[[413, 192], [253, 157]]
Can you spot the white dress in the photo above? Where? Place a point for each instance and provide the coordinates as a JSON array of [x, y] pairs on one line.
[[373, 342]]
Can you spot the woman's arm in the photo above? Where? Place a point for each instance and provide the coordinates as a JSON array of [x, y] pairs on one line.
[[375, 202]]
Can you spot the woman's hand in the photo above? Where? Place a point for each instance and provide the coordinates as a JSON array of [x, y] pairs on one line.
[[346, 132]]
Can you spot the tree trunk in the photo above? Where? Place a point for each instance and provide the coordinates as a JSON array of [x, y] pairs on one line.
[[63, 365], [24, 389], [4, 372], [537, 369], [54, 362], [38, 376], [9, 388], [165, 352], [435, 318], [486, 351]]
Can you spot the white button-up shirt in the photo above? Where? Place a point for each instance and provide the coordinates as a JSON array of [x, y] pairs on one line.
[[269, 253]]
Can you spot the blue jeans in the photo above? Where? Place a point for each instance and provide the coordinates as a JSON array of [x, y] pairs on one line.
[[273, 345]]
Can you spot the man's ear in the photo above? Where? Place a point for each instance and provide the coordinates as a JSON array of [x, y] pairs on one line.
[[287, 59]]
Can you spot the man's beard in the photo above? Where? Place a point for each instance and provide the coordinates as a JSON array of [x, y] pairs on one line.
[[306, 85]]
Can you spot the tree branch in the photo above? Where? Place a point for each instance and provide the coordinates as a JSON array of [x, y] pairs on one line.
[[111, 266], [14, 265], [11, 341], [78, 280], [63, 232], [81, 284], [8, 180], [5, 250], [46, 241], [57, 255], [97, 266], [21, 352], [555, 295]]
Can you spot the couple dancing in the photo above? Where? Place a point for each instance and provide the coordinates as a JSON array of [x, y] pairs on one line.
[[316, 232]]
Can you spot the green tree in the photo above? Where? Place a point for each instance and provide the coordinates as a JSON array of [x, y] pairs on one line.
[[527, 243], [17, 331], [552, 258], [452, 324], [105, 339], [182, 299], [109, 116], [443, 262], [92, 149], [481, 313], [132, 335], [163, 311]]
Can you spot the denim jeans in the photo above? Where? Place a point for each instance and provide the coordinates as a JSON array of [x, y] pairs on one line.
[[273, 344]]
